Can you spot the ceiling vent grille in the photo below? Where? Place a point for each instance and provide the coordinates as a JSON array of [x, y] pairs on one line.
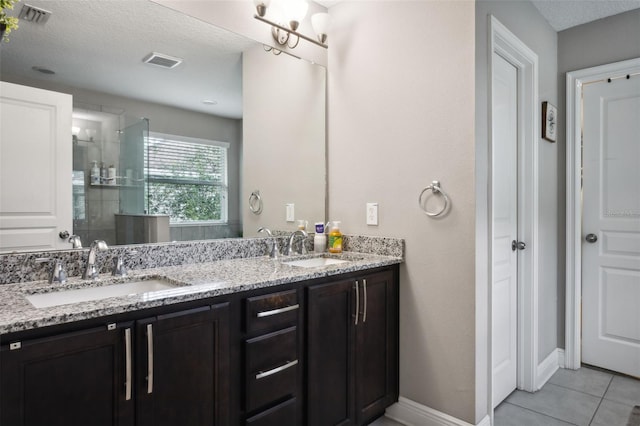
[[162, 60], [34, 14]]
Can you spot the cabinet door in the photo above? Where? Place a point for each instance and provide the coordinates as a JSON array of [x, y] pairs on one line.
[[71, 379], [330, 342], [376, 346], [183, 368]]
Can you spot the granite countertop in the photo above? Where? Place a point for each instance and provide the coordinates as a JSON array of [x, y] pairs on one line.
[[192, 282]]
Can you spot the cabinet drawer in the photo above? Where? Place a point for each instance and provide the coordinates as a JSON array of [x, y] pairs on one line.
[[281, 415], [271, 367], [272, 311]]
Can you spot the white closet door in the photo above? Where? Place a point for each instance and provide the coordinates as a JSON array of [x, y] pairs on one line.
[[611, 213], [35, 168], [505, 228]]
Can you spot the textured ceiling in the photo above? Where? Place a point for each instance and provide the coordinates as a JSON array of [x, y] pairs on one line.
[[99, 45], [563, 14]]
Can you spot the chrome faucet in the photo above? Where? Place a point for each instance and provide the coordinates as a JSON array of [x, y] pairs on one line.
[[292, 237], [90, 271], [75, 241], [119, 270], [58, 273], [273, 253]]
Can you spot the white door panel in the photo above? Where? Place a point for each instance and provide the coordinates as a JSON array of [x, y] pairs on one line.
[[505, 228], [611, 211], [35, 168]]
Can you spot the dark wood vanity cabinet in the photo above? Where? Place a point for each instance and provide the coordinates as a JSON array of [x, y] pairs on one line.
[[165, 370], [183, 368], [352, 349], [75, 378], [273, 363], [321, 353]]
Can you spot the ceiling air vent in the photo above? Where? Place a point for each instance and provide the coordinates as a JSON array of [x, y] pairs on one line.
[[34, 14], [162, 60]]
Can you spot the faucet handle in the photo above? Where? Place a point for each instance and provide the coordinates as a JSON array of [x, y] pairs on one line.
[[58, 273], [118, 267]]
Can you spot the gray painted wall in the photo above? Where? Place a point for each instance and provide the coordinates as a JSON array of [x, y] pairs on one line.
[[401, 112], [608, 40], [284, 139]]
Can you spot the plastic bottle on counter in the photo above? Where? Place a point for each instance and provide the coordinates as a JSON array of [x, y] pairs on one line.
[[95, 173], [104, 173], [112, 175], [335, 237], [319, 239]]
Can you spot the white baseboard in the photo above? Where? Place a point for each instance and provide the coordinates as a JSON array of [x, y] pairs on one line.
[[411, 413], [547, 367], [561, 355]]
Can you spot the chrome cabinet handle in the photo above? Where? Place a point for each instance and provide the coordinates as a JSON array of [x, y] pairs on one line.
[[149, 358], [357, 302], [364, 314], [127, 364], [267, 373], [277, 311]]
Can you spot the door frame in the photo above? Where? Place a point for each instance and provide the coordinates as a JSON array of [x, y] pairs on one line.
[[573, 312], [504, 43]]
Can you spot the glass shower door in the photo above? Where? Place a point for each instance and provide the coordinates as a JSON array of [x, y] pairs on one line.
[[132, 139]]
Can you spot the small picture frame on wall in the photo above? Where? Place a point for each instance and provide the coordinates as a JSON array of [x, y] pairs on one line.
[[549, 121]]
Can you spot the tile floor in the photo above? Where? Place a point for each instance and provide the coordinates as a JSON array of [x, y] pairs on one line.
[[584, 397]]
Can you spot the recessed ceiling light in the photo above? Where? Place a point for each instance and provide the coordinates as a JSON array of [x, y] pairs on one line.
[[210, 102], [43, 70]]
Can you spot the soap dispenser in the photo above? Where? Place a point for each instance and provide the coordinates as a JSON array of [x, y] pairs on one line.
[[335, 237]]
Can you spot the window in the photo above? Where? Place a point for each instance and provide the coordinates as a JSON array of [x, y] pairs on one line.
[[186, 178]]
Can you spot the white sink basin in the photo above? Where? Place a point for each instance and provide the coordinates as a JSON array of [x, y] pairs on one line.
[[64, 297], [316, 262]]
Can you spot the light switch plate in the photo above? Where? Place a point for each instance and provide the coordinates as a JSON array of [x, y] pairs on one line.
[[372, 213], [291, 217]]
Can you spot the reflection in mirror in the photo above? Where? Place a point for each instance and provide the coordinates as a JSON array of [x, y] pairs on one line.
[[193, 110]]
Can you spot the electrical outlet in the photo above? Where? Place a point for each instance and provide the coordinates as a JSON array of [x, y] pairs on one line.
[[372, 213], [291, 217]]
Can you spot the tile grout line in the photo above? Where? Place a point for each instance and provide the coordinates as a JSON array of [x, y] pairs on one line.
[[600, 403], [582, 392], [538, 412]]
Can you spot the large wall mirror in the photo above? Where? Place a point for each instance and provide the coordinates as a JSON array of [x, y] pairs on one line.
[[175, 122]]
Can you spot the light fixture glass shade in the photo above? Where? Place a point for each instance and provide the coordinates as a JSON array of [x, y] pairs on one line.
[[295, 10], [321, 23], [261, 6]]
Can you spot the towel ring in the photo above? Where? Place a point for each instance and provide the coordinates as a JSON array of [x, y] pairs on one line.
[[434, 188], [255, 202]]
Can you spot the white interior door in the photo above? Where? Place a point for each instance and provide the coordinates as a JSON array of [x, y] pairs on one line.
[[35, 168], [505, 227], [611, 213]]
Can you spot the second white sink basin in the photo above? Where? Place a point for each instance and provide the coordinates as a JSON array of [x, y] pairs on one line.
[[64, 297], [316, 262]]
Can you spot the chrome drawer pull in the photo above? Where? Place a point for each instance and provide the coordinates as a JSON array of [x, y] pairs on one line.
[[364, 287], [264, 374], [150, 358], [357, 303], [277, 311], [127, 366]]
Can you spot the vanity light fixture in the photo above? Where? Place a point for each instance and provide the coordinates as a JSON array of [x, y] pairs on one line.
[[293, 11]]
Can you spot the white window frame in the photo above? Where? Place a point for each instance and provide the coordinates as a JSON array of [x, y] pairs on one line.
[[224, 215]]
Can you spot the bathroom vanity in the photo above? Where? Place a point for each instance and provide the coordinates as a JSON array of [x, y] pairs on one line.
[[250, 341]]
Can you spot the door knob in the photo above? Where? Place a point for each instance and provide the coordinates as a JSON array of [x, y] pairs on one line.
[[591, 238], [518, 245], [63, 235]]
